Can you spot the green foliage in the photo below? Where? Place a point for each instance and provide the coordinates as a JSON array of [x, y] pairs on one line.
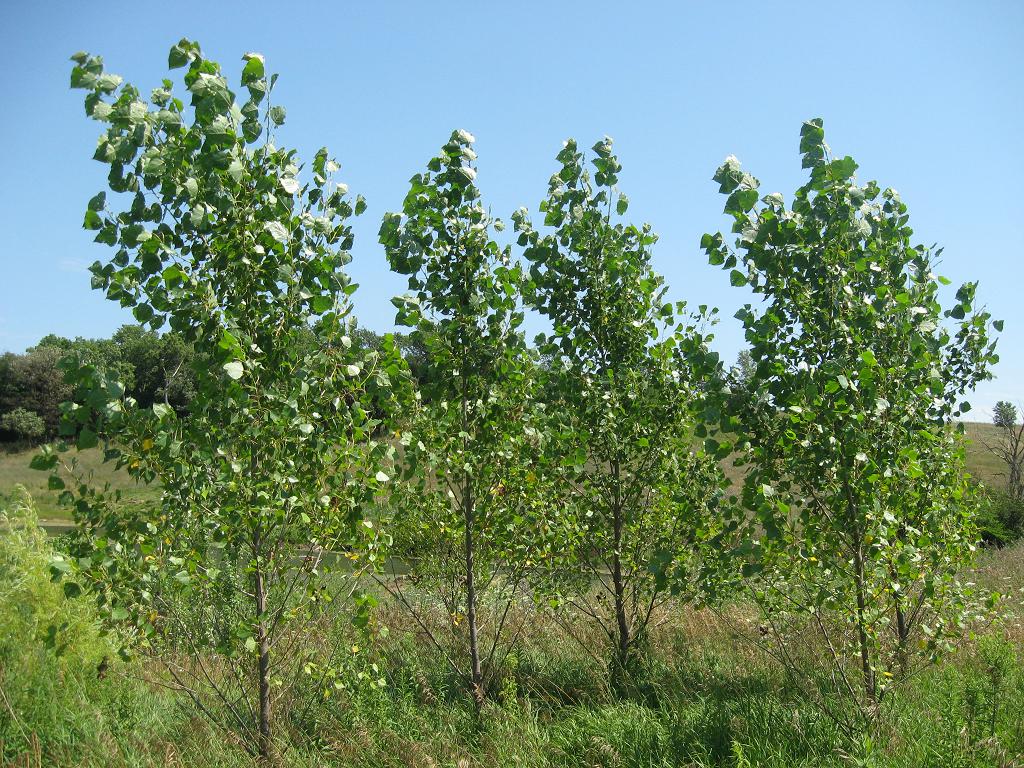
[[715, 698], [160, 366], [1004, 414], [23, 424], [471, 514], [153, 368], [583, 475], [864, 515], [744, 372], [34, 382], [1000, 518], [63, 689], [225, 237], [625, 370]]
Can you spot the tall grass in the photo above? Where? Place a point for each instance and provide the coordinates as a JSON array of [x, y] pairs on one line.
[[705, 696]]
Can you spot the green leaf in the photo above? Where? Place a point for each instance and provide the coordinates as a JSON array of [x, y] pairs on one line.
[[737, 278], [277, 115], [143, 313], [843, 169], [743, 200], [43, 462], [72, 590], [277, 231], [254, 68], [98, 202], [93, 221], [251, 130], [59, 567], [234, 369], [86, 439], [180, 54]]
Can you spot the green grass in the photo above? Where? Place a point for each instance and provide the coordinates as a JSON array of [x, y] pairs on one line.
[[981, 462], [15, 470], [707, 696]]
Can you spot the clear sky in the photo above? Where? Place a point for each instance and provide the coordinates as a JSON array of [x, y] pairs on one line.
[[927, 96]]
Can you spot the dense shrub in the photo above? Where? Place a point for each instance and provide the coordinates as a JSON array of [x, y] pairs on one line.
[[1000, 518], [34, 382], [65, 692], [22, 425]]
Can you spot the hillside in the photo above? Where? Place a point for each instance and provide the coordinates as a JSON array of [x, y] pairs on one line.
[[14, 470]]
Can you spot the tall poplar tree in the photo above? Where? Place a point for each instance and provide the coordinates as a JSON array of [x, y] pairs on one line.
[[223, 235], [470, 519], [863, 516], [627, 370]]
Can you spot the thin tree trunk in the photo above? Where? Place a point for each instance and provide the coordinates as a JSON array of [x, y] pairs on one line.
[[860, 580], [263, 647], [902, 636], [624, 638], [902, 621], [476, 674], [862, 635]]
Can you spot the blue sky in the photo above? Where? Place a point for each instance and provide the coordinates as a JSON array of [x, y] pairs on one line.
[[927, 96]]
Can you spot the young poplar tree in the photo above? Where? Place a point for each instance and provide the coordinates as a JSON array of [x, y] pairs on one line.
[[223, 235], [856, 476], [470, 519], [626, 370]]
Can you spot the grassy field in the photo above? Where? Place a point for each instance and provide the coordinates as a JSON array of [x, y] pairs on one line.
[[14, 470], [708, 697], [982, 463]]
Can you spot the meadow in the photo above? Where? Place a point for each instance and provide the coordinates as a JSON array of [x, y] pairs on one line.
[[710, 692], [709, 695]]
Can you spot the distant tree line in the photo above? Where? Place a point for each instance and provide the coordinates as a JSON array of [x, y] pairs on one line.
[[155, 368]]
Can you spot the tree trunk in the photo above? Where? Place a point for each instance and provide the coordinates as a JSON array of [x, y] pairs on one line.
[[263, 665], [902, 636], [618, 583], [862, 635], [475, 673], [902, 620], [860, 578], [623, 634]]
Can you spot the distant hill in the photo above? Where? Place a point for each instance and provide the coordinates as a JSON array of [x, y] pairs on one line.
[[980, 461]]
